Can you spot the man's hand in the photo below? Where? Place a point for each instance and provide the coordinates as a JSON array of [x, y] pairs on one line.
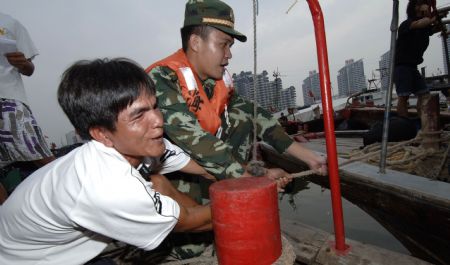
[[18, 60], [442, 15], [318, 164], [314, 161], [281, 177]]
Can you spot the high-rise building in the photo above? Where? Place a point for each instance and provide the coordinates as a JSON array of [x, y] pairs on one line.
[[384, 70], [276, 97], [288, 98], [73, 138], [270, 95], [266, 93], [351, 78], [445, 56], [243, 83], [311, 88]]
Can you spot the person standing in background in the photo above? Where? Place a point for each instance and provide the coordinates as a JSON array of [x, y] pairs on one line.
[[412, 42], [21, 139]]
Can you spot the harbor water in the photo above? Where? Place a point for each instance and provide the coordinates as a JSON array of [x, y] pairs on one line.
[[310, 204]]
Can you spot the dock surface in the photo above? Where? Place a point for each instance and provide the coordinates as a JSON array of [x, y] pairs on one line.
[[316, 247]]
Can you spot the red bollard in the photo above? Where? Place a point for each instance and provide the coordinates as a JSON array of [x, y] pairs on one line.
[[246, 222]]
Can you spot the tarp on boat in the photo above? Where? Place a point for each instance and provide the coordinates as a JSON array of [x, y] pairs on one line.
[[314, 111]]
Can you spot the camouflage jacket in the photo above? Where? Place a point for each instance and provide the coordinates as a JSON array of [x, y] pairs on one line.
[[223, 158]]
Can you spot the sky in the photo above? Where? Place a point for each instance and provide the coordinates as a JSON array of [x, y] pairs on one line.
[[65, 31]]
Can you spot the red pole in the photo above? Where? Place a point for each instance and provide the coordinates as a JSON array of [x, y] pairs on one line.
[[328, 120]]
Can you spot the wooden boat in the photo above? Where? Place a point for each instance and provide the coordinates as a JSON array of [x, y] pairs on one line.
[[416, 210]]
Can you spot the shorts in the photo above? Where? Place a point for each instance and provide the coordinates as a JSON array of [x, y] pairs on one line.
[[21, 139], [409, 81]]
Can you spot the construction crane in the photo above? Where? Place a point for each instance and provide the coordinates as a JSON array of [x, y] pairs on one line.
[[374, 80], [276, 74]]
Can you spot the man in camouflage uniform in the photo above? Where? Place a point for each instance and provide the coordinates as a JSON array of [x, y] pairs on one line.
[[207, 35], [190, 88]]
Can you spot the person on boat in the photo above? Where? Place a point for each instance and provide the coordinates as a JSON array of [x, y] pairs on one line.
[[202, 114], [283, 119], [69, 210], [412, 42], [21, 137]]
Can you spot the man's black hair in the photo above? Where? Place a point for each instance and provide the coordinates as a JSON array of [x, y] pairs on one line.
[[200, 30], [93, 93], [411, 8]]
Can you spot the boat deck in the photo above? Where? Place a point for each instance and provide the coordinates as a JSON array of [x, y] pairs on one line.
[[417, 184], [315, 246], [343, 145]]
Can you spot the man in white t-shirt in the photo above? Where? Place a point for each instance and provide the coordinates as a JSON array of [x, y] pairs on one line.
[[69, 210]]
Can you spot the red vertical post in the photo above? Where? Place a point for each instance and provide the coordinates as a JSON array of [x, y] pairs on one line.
[[327, 106]]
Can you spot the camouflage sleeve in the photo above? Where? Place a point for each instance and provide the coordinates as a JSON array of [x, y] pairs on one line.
[[269, 129], [183, 128]]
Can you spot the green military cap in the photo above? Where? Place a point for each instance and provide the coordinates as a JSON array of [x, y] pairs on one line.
[[214, 13]]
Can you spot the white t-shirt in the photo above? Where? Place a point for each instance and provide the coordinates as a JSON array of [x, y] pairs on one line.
[[10, 78], [174, 159], [67, 211]]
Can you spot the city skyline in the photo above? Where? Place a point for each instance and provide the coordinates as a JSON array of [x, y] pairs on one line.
[[271, 94]]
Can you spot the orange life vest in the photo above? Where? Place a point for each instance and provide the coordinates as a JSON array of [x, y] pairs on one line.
[[207, 111]]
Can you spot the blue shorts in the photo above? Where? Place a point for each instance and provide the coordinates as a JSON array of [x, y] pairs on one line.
[[409, 81]]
